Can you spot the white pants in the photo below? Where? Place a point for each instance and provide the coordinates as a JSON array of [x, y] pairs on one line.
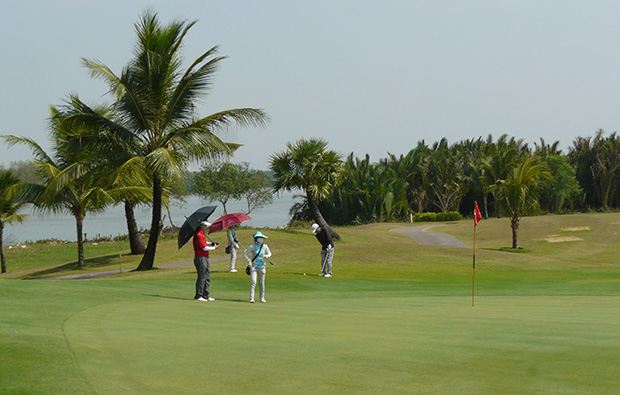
[[233, 258], [261, 282]]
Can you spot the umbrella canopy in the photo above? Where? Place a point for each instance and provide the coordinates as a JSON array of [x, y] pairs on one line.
[[191, 223], [227, 221]]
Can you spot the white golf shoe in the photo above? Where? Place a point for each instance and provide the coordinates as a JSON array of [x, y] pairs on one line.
[[200, 300], [328, 275]]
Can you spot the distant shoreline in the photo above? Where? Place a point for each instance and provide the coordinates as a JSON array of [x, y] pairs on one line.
[[112, 224]]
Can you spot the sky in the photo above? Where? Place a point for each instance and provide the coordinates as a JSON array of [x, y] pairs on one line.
[[369, 77]]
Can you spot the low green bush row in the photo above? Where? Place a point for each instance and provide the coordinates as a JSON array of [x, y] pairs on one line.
[[437, 217]]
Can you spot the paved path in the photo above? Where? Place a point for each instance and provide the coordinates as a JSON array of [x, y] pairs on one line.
[[420, 235]]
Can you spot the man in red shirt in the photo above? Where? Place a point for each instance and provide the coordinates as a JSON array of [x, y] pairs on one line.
[[201, 261]]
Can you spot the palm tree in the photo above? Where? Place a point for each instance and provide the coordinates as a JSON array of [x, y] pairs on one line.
[[11, 202], [111, 156], [520, 192], [70, 184], [309, 166], [499, 159], [443, 173], [155, 111]]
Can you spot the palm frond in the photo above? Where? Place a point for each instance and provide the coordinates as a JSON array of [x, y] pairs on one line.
[[38, 152], [99, 70], [165, 161], [241, 116]]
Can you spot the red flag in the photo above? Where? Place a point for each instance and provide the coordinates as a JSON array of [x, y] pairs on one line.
[[477, 214]]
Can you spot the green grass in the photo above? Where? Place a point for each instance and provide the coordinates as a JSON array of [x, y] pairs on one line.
[[395, 318]]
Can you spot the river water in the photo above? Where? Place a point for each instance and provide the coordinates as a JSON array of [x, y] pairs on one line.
[[112, 221]]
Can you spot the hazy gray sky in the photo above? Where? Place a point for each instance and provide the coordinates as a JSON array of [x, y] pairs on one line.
[[368, 76]]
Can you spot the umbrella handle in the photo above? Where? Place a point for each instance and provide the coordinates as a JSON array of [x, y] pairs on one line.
[[210, 239]]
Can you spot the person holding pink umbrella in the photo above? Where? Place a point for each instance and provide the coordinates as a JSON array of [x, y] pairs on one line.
[[228, 222], [233, 246]]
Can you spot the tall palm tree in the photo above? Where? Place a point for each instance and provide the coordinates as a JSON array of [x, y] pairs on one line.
[[520, 192], [11, 202], [155, 110], [309, 166]]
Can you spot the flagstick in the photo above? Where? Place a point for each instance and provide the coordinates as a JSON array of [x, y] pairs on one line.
[[473, 282]]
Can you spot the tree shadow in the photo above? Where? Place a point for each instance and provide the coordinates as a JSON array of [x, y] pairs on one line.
[[89, 263]]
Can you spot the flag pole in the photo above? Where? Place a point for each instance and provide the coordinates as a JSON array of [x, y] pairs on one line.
[[473, 281], [477, 218]]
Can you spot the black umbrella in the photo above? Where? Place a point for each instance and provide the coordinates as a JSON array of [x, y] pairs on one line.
[[192, 222]]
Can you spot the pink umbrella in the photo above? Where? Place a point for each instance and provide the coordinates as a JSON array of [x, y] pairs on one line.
[[227, 221]]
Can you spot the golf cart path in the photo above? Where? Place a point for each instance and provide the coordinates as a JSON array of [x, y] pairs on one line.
[[417, 233], [421, 236]]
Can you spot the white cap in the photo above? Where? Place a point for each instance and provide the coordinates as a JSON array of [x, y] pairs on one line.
[[314, 227], [205, 223]]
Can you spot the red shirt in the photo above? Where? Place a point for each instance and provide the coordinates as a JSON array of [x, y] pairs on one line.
[[200, 242]]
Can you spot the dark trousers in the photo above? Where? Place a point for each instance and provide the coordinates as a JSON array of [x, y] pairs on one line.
[[204, 277]]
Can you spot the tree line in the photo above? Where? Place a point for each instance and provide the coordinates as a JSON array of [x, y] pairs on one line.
[[506, 176]]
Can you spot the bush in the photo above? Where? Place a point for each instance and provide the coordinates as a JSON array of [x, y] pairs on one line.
[[437, 217]]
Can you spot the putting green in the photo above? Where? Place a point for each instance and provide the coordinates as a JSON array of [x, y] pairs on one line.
[[333, 342]]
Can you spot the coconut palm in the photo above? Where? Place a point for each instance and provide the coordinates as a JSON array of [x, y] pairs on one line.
[[308, 165], [443, 173], [112, 157], [520, 192], [154, 112], [70, 183], [11, 202]]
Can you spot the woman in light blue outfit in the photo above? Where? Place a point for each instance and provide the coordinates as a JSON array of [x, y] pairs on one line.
[[255, 255]]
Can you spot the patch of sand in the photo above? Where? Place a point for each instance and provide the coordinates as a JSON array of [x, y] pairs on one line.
[[562, 239], [576, 229]]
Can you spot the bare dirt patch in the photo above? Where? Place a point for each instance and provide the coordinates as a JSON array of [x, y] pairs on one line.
[[562, 239], [576, 229]]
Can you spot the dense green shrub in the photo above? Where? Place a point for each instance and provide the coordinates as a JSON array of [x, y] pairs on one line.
[[437, 217]]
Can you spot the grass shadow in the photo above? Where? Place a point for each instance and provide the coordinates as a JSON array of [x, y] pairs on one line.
[[191, 299], [89, 263], [519, 250]]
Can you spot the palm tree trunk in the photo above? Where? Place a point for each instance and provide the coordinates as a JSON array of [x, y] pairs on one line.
[[318, 217], [135, 241], [149, 255], [2, 258], [170, 217], [79, 225], [485, 200], [514, 224]]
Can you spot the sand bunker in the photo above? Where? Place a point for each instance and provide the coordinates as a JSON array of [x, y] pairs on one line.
[[576, 229], [562, 239]]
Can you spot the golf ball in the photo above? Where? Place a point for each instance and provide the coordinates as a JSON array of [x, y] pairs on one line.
[[304, 274]]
